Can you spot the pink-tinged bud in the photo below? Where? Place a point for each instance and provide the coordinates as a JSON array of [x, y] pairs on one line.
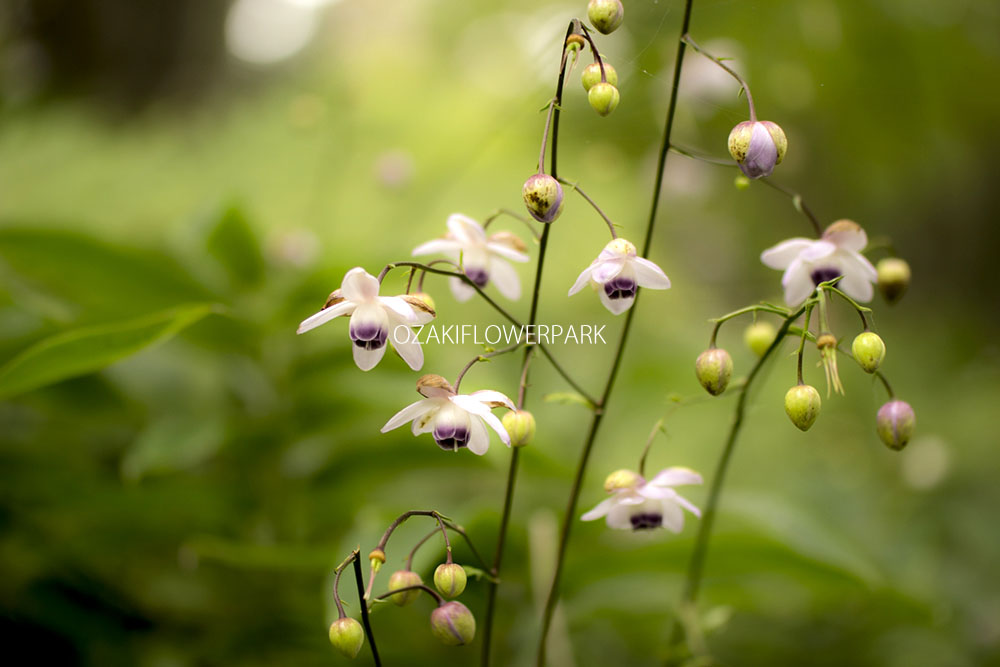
[[404, 579], [605, 15], [895, 423], [714, 368], [603, 98], [543, 196], [347, 636], [893, 278], [453, 624], [450, 579], [592, 75], [802, 405], [757, 147]]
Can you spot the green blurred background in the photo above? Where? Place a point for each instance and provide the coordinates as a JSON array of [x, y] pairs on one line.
[[186, 505]]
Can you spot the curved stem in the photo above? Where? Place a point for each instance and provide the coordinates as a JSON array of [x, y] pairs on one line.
[[798, 203], [416, 587], [718, 61], [413, 551], [482, 357], [506, 211], [607, 220], [802, 344], [658, 426]]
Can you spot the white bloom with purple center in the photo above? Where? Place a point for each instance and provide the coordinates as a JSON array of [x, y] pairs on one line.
[[618, 273], [809, 262], [374, 320], [483, 258], [455, 420], [636, 504]]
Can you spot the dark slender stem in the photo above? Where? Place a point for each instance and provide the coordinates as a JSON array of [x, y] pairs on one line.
[[413, 551], [416, 587], [472, 547], [607, 220], [336, 583], [365, 621], [569, 517], [718, 61]]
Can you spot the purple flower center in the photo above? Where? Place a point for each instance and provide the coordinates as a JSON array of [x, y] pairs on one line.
[[478, 276], [646, 521], [824, 273], [451, 437], [368, 336], [620, 288]]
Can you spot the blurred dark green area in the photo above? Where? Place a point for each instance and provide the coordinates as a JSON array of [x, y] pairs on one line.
[[182, 182]]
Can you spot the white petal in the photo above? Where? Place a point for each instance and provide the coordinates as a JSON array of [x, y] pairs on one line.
[[856, 285], [490, 396], [616, 306], [656, 492], [409, 413], [818, 250], [470, 404], [505, 278], [620, 517], [798, 283], [437, 246], [675, 476], [857, 261], [359, 285], [688, 505], [461, 289], [782, 255], [327, 314], [505, 250], [466, 230], [398, 306], [479, 437], [424, 423], [405, 342], [582, 279], [673, 517], [606, 270], [648, 274], [600, 510], [497, 426], [367, 359], [851, 238]]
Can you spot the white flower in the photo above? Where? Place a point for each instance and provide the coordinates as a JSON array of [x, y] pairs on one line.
[[482, 257], [617, 273], [374, 320], [455, 420], [808, 263], [639, 505]]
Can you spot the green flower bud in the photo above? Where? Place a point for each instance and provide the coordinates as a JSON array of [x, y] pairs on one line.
[[592, 75], [605, 15], [604, 98], [449, 579], [802, 405], [520, 425], [868, 350], [453, 624], [893, 278], [714, 368], [403, 579], [895, 424], [376, 558], [347, 636], [621, 479], [759, 336], [741, 182], [543, 196]]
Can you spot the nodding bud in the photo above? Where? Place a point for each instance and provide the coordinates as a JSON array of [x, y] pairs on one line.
[[592, 75], [759, 337], [453, 624], [757, 146], [575, 42], [376, 558], [404, 579], [347, 636], [621, 479], [520, 425], [714, 368], [543, 196], [449, 579], [605, 15], [868, 350], [802, 405], [895, 424], [426, 299], [893, 278], [603, 98]]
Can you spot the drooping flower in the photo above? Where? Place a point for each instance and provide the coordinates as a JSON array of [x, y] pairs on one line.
[[618, 273], [757, 147], [640, 505], [374, 319], [455, 420], [483, 258], [808, 262]]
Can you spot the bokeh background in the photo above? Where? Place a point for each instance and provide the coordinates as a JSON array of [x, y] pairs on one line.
[[183, 181]]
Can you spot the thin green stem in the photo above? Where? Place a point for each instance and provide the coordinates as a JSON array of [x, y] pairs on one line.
[[657, 427], [718, 61], [482, 357], [798, 203], [506, 211], [802, 344], [607, 220]]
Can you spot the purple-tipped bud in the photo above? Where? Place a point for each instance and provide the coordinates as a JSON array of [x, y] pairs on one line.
[[404, 579], [347, 636], [543, 196], [757, 147], [449, 579], [895, 424], [868, 350], [714, 368], [802, 405], [893, 278], [453, 624], [605, 15], [592, 75], [603, 98]]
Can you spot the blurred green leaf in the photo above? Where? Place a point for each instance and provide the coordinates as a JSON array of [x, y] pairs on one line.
[[173, 444], [261, 556], [234, 244], [88, 349]]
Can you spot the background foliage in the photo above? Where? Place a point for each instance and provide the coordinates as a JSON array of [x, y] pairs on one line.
[[186, 504]]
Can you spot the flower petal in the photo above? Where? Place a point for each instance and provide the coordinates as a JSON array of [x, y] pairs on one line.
[[399, 307], [688, 505], [782, 255], [675, 476], [367, 359], [479, 437], [818, 250], [505, 278], [673, 517], [616, 306], [600, 510], [850, 237], [489, 396], [506, 251], [798, 283], [325, 315], [606, 270], [437, 246], [466, 230], [856, 284], [581, 280], [648, 274], [497, 426], [409, 413], [620, 517], [461, 290], [359, 285], [404, 341]]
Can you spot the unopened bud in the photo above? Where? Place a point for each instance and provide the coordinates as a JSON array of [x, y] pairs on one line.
[[893, 278], [621, 479], [802, 405], [449, 579], [543, 196], [376, 558], [759, 336], [424, 297], [404, 579], [868, 350], [714, 368], [520, 425], [592, 75], [347, 636], [575, 42], [603, 98], [605, 15], [741, 182], [895, 424], [453, 624], [757, 146]]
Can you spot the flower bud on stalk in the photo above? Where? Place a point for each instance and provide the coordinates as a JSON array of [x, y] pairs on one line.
[[603, 98], [347, 636], [757, 146], [895, 423], [543, 196], [592, 75], [453, 624], [520, 426], [759, 336], [404, 579], [714, 368], [893, 278], [802, 405], [376, 558], [427, 299], [869, 351], [605, 15], [450, 579]]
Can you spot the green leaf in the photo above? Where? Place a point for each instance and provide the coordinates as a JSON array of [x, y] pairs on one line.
[[172, 444], [87, 349], [234, 244]]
